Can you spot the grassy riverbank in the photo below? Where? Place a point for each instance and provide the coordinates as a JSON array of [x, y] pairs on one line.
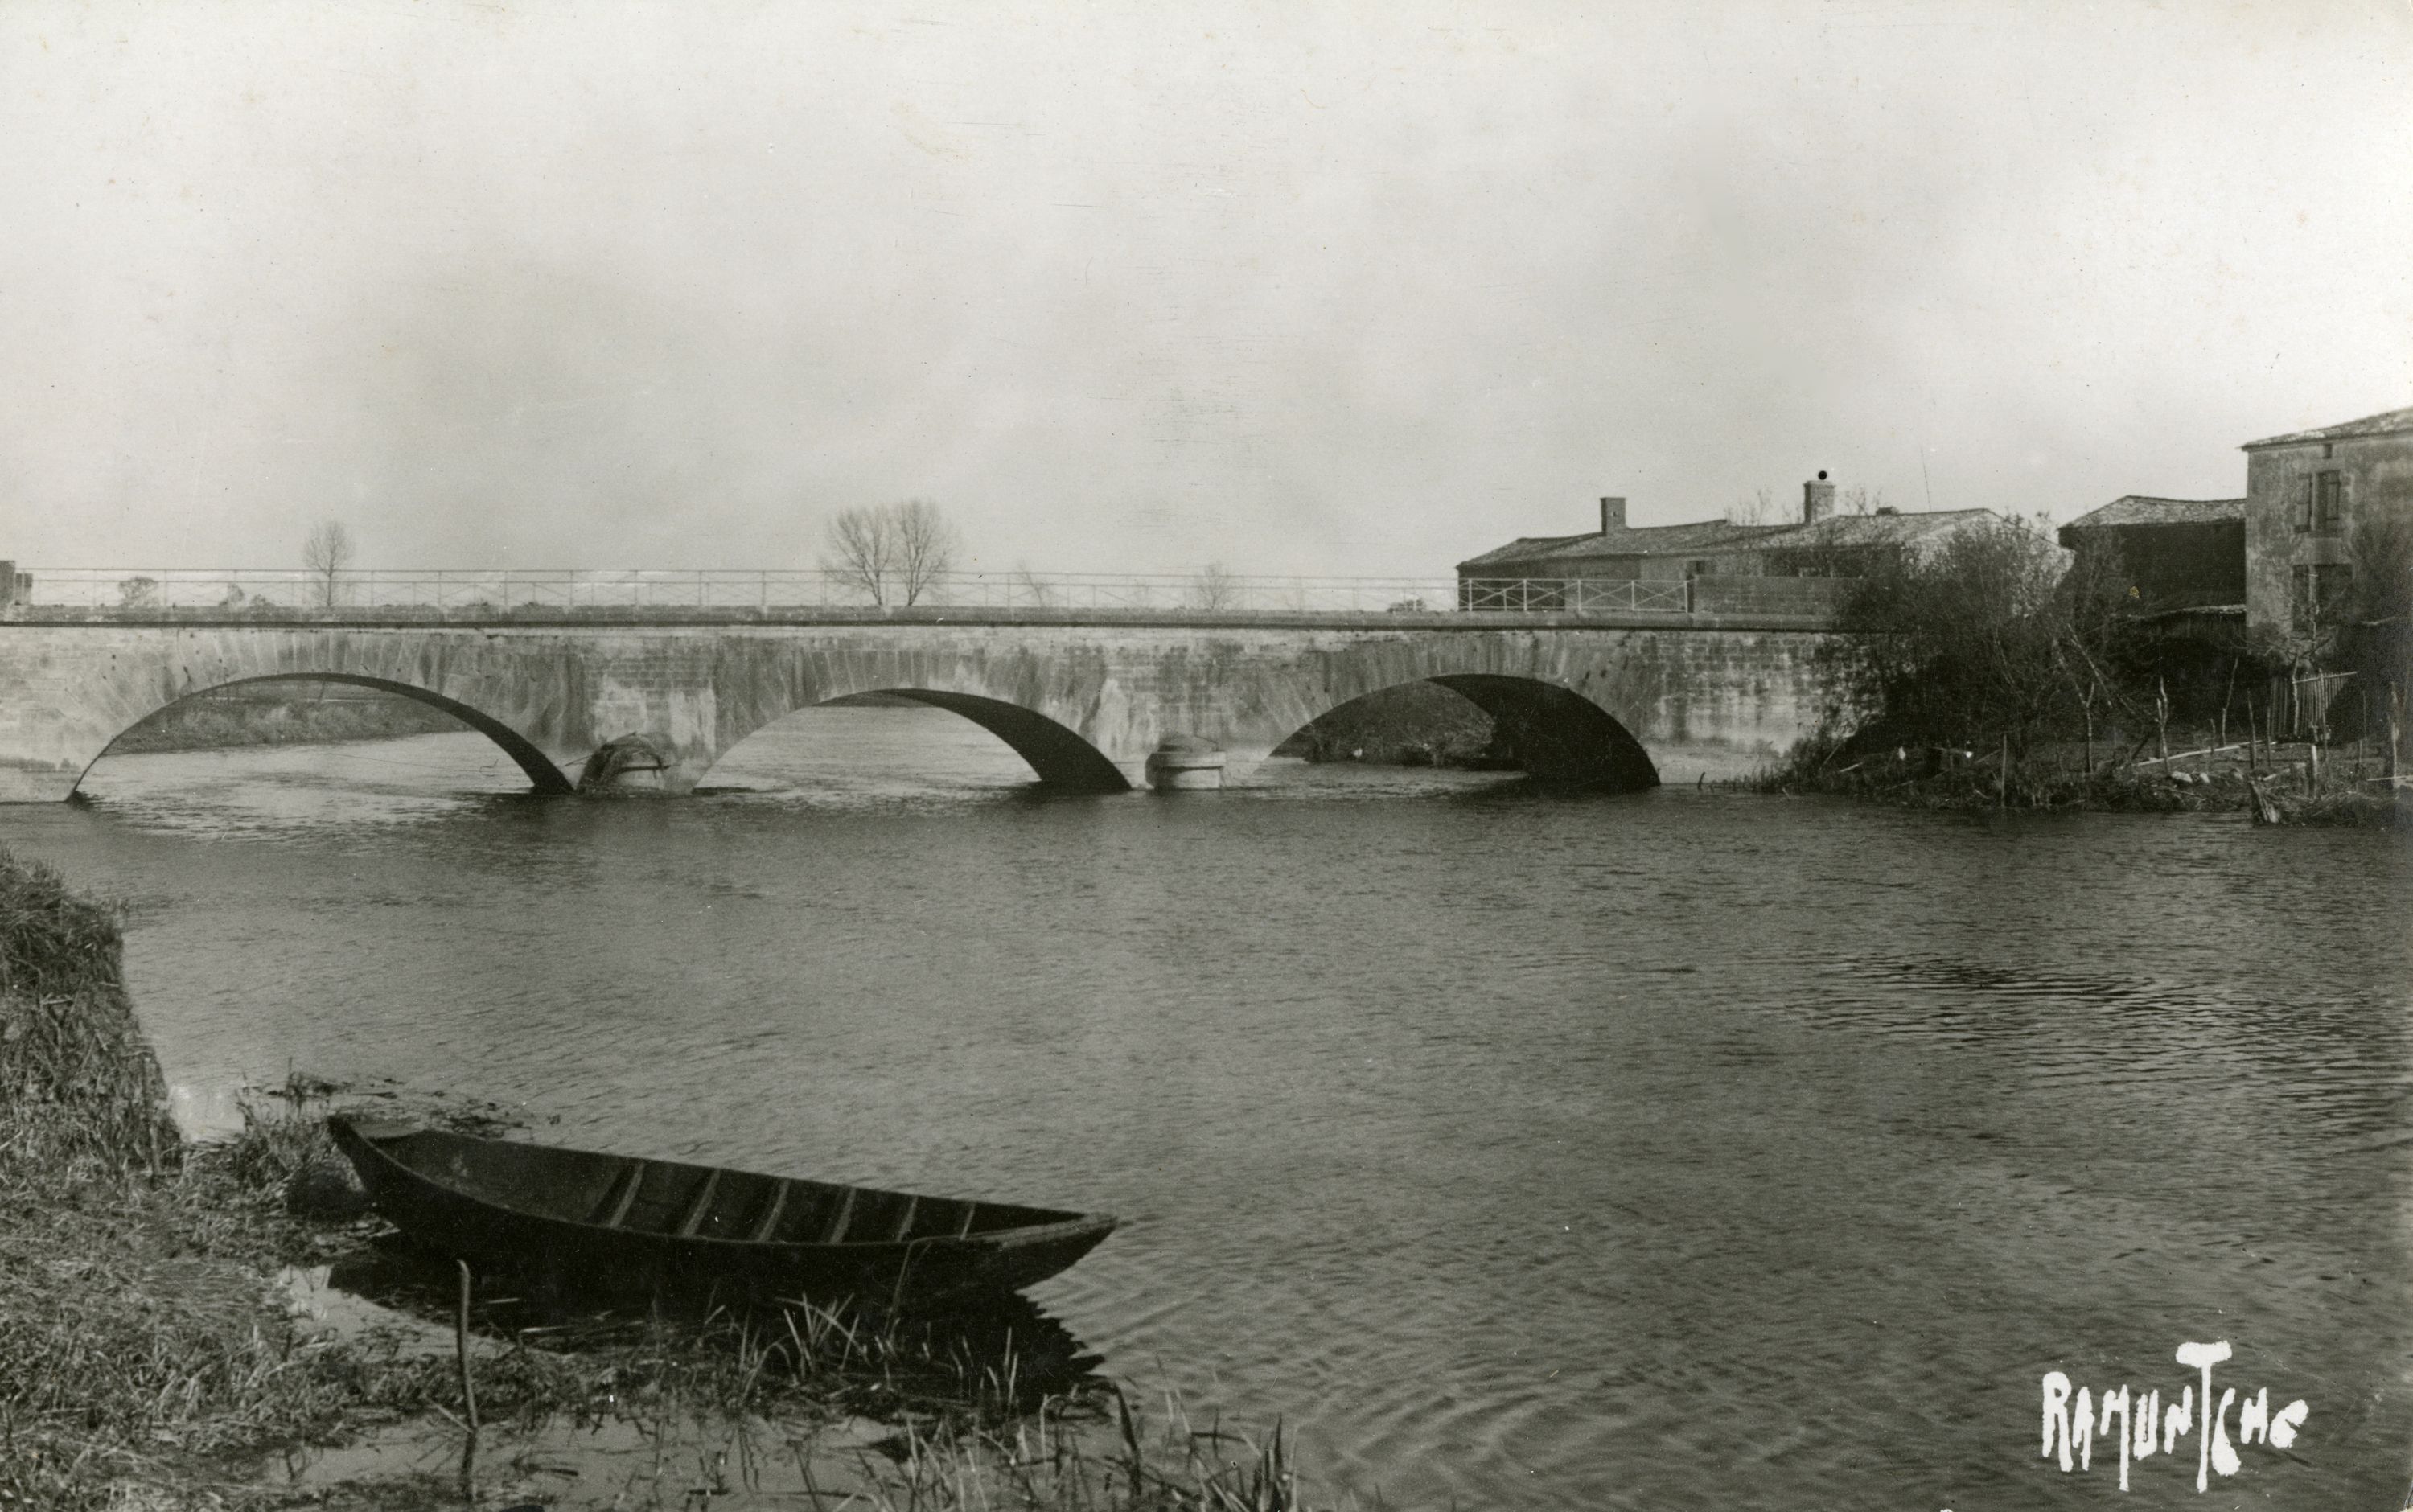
[[280, 714], [155, 1358]]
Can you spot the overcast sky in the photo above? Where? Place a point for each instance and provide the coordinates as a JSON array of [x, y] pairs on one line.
[[1355, 290]]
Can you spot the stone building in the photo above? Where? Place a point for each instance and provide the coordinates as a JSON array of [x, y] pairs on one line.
[[1708, 556], [2307, 494], [1616, 550]]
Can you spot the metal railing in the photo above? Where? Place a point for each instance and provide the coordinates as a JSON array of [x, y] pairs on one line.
[[1577, 595], [235, 589]]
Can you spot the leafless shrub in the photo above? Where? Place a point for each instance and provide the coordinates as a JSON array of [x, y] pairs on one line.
[[1215, 588], [1760, 508], [1990, 635]]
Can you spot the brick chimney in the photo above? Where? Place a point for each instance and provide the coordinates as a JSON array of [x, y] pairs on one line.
[[1817, 500], [1612, 514]]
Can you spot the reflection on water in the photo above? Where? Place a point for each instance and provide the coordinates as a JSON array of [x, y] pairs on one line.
[[1670, 1151], [1001, 1337]]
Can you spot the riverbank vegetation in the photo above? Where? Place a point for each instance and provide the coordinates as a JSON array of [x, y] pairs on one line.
[[278, 714], [1995, 672], [155, 1358], [2275, 784], [1413, 724]]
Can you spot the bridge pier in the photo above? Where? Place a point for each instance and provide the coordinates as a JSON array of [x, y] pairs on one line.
[[1185, 764]]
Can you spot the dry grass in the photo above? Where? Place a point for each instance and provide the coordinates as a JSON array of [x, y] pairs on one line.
[[1047, 1465], [148, 1359], [80, 1092]]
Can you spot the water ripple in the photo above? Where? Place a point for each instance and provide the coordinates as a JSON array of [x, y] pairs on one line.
[[1669, 1150]]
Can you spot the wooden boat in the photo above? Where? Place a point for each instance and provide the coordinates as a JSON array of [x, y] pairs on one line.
[[622, 1223]]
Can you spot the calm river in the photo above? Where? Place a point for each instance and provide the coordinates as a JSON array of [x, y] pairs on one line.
[[1677, 1151]]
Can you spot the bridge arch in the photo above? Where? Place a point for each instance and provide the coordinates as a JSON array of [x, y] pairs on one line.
[[1556, 734], [1059, 757], [542, 774], [1062, 759]]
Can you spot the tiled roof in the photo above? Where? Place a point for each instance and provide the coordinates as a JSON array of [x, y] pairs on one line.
[[2143, 508], [1627, 541], [1860, 530], [1524, 548], [1837, 530], [2382, 425]]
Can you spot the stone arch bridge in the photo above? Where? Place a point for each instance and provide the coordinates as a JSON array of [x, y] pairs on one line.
[[1083, 696]]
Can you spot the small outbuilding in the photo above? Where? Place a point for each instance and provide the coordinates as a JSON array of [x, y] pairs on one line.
[[2174, 553]]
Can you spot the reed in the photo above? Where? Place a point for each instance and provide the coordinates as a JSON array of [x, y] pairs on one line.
[[147, 1357], [80, 1092], [1060, 1460]]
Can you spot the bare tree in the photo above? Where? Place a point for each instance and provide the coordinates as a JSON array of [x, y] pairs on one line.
[[1215, 588], [326, 553], [890, 551], [1991, 634], [1760, 508], [1028, 587], [926, 543], [855, 550], [2374, 612]]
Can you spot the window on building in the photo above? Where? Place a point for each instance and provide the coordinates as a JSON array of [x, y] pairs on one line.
[[2328, 501], [1697, 567], [2331, 583]]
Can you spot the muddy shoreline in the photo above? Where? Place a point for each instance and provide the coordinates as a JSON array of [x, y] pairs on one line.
[[2285, 784]]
